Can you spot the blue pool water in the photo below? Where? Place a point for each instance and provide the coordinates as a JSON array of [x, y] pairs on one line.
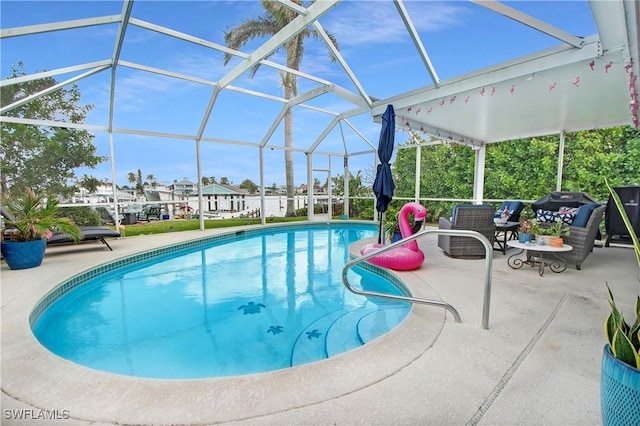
[[255, 302]]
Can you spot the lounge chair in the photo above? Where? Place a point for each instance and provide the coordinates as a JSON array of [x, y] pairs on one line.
[[89, 233], [151, 211], [470, 217]]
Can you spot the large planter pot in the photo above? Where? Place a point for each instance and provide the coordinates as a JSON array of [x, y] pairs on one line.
[[396, 236], [619, 391], [23, 255]]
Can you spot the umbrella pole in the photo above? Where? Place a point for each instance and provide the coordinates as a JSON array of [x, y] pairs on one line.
[[380, 230]]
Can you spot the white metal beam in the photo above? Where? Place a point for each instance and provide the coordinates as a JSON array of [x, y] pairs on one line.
[[52, 73], [57, 26], [531, 22], [52, 123], [528, 65], [122, 29], [324, 134], [293, 6], [53, 88], [342, 62], [274, 126], [315, 11], [417, 42], [409, 124]]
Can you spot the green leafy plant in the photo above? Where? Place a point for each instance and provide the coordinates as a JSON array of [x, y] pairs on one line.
[[81, 216], [557, 229], [33, 218], [623, 339], [391, 225]]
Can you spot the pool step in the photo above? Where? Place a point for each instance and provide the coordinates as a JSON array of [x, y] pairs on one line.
[[338, 332], [342, 335], [381, 321], [310, 344]]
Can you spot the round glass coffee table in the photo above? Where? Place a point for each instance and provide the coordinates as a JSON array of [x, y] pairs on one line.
[[534, 256]]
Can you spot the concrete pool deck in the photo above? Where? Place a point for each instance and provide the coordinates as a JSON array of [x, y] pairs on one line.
[[538, 363]]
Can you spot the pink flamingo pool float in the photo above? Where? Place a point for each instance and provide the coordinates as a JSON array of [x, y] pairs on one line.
[[407, 256]]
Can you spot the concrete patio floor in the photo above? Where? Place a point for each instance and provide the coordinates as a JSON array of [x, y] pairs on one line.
[[538, 363]]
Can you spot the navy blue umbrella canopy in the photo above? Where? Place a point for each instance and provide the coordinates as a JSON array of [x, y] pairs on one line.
[[383, 185]]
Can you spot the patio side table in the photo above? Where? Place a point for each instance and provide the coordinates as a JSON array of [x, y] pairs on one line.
[[557, 265], [505, 232]]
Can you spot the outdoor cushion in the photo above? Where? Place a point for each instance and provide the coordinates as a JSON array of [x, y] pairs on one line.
[[514, 208], [565, 209], [583, 214], [545, 216], [566, 218]]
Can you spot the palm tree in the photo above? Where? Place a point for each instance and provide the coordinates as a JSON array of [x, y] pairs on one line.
[[276, 17], [131, 177], [151, 178]]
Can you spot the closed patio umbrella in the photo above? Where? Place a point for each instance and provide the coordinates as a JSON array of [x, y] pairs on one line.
[[383, 185]]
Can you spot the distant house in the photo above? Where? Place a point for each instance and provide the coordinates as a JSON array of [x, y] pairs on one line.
[[184, 187], [219, 197], [103, 194]]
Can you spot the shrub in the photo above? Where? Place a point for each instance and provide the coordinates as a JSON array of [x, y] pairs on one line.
[[81, 216]]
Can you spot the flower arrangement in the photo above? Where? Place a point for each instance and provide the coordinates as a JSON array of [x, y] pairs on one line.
[[525, 226]]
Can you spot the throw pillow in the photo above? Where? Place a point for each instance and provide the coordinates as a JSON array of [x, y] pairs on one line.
[[583, 214], [566, 218], [546, 216], [565, 209]]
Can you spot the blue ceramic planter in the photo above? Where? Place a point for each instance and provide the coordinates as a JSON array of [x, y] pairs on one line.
[[524, 238], [619, 391], [23, 255]]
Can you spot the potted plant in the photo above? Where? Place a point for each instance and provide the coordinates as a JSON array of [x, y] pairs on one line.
[[392, 227], [30, 220], [545, 232], [524, 232], [620, 382]]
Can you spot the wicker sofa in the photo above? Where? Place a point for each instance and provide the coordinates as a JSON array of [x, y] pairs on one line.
[[583, 231], [470, 217]]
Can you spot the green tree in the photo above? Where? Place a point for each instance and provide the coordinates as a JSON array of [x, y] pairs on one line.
[[90, 183], [522, 169], [358, 207], [208, 180], [526, 167], [43, 157], [151, 178], [249, 185], [275, 18], [139, 186], [131, 177], [224, 180]]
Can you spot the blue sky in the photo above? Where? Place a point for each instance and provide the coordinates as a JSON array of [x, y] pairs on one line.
[[459, 37]]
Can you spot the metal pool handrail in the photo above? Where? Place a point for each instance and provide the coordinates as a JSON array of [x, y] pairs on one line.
[[455, 232]]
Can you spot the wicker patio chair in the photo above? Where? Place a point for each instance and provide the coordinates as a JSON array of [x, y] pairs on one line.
[[582, 238], [470, 217]]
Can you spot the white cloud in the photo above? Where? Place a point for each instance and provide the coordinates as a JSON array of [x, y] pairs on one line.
[[363, 22]]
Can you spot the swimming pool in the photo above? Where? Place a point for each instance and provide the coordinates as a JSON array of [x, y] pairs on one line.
[[252, 301]]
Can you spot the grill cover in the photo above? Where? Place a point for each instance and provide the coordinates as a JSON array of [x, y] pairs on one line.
[[554, 200], [630, 197]]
